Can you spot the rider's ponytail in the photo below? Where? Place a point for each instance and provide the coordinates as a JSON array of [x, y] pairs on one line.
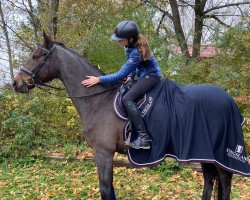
[[143, 47]]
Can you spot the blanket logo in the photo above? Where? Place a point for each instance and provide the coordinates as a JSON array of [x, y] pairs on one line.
[[239, 149], [236, 153], [147, 107]]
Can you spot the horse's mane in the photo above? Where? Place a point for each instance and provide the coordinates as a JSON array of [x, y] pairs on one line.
[[91, 66]]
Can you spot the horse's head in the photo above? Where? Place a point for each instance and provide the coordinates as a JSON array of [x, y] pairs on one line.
[[40, 68]]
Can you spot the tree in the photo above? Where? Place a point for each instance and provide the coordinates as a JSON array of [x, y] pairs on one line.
[[54, 4], [202, 9], [28, 9], [7, 40], [230, 69], [86, 26], [33, 18]]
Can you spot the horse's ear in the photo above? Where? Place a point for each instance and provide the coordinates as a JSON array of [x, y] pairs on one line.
[[48, 43]]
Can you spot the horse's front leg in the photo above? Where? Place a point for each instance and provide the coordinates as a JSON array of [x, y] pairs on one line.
[[103, 159]]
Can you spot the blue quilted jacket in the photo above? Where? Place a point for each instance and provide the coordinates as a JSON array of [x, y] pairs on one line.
[[133, 66]]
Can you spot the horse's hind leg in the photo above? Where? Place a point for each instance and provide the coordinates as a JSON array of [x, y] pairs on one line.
[[219, 189], [104, 164], [209, 174], [224, 189]]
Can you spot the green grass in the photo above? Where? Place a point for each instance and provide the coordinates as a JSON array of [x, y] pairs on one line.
[[41, 180], [36, 179]]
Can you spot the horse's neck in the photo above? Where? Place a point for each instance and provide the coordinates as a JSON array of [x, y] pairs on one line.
[[73, 70]]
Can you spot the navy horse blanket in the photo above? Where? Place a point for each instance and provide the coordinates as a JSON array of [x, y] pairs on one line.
[[191, 123]]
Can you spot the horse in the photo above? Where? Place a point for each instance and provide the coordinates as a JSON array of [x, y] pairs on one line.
[[102, 129]]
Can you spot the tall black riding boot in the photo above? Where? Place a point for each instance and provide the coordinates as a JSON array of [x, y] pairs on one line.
[[142, 141]]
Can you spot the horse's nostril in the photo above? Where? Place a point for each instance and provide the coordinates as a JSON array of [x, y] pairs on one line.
[[14, 83]]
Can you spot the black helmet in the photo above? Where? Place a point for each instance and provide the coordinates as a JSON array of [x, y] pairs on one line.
[[126, 29]]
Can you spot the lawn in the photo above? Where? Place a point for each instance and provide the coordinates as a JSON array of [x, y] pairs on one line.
[[38, 179]]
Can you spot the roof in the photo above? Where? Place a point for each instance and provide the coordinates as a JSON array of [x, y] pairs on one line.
[[206, 51]]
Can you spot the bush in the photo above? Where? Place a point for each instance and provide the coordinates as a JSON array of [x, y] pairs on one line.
[[33, 123]]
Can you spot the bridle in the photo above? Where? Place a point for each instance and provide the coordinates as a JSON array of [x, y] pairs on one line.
[[34, 80], [32, 74]]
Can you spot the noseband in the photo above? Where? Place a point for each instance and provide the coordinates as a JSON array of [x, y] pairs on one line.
[[33, 73]]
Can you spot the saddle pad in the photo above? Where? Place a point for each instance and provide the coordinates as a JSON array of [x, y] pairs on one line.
[[119, 109], [196, 123]]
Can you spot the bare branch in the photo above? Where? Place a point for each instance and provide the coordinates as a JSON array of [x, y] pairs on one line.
[[185, 2], [213, 29], [225, 6], [4, 59], [160, 9], [217, 19], [27, 45], [27, 10], [6, 35], [4, 51], [158, 27], [17, 5], [242, 14]]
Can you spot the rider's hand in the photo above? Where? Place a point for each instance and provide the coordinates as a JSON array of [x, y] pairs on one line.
[[90, 81], [127, 79]]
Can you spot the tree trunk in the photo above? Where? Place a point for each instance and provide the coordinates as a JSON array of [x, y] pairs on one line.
[[198, 26], [34, 21], [178, 29], [6, 35], [54, 9]]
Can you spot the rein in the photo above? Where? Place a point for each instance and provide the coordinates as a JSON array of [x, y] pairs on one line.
[[36, 82], [82, 96]]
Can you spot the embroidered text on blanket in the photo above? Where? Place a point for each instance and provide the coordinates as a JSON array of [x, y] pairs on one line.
[[147, 107], [236, 154]]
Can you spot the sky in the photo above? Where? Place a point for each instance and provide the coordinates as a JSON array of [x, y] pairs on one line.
[[10, 17], [4, 74]]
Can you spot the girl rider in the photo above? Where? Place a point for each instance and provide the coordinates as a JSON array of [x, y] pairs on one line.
[[140, 62]]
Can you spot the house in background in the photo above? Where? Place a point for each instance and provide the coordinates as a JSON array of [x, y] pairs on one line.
[[206, 51]]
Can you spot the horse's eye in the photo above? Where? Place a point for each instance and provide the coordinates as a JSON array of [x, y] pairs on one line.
[[35, 56]]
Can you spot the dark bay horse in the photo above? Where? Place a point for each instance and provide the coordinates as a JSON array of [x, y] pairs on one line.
[[103, 130]]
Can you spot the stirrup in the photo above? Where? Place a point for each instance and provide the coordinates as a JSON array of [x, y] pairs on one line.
[[143, 144]]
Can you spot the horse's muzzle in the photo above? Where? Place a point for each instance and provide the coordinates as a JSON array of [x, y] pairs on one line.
[[20, 88]]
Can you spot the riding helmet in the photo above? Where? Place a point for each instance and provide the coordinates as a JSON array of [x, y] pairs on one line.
[[126, 29]]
